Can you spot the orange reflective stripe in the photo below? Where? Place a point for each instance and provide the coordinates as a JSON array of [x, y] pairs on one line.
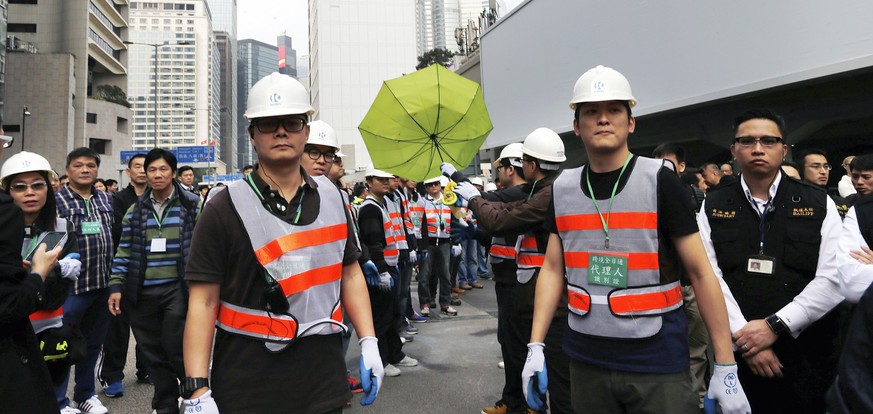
[[257, 324], [391, 252], [502, 251], [642, 302], [314, 277], [531, 260], [617, 220], [579, 301], [293, 241], [636, 260], [47, 314], [337, 314], [528, 242]]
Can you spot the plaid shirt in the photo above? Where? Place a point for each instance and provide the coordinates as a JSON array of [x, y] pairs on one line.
[[95, 249]]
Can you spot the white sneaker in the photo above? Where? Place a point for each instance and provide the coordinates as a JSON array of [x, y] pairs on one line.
[[70, 410], [407, 361], [501, 365], [392, 371], [402, 340], [93, 406]]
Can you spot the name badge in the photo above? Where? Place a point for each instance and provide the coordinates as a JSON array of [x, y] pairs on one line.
[[91, 227], [760, 265], [607, 268], [159, 245]]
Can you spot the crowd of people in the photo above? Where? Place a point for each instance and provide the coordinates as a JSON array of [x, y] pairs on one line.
[[628, 285]]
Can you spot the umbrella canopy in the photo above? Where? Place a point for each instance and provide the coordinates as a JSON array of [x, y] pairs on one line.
[[423, 119]]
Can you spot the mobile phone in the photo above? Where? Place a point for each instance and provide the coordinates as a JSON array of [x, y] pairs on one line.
[[51, 239]]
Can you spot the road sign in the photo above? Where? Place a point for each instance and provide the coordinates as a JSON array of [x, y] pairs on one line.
[[197, 153], [127, 155], [222, 178]]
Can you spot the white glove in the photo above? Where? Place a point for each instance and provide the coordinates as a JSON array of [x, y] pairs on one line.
[[447, 169], [386, 282], [467, 191], [205, 404], [535, 368], [725, 388], [372, 371], [456, 250], [413, 257], [70, 268]]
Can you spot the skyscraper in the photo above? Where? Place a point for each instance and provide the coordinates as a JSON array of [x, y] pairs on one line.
[[436, 21], [287, 56], [256, 60]]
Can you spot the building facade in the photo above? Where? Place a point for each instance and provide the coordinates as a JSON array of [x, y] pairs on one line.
[[224, 25], [287, 62], [437, 20], [255, 60]]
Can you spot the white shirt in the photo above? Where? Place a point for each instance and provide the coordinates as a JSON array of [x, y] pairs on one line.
[[818, 297], [855, 277], [845, 186]]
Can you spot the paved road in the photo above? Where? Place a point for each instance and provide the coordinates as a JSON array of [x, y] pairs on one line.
[[457, 370]]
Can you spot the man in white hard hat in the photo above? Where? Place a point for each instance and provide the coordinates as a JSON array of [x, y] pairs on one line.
[[398, 209], [273, 262], [618, 235], [521, 217], [321, 149], [436, 250]]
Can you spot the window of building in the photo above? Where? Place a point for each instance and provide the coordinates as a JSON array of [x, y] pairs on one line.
[[100, 146], [121, 124], [91, 118], [22, 1], [21, 27]]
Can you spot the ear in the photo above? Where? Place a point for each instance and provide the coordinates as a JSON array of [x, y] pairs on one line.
[[631, 125], [734, 151], [576, 128]]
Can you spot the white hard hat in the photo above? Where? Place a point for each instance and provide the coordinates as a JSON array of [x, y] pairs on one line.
[[25, 162], [545, 145], [432, 180], [476, 181], [444, 181], [602, 84], [373, 172], [320, 133], [277, 95], [512, 153], [490, 187]]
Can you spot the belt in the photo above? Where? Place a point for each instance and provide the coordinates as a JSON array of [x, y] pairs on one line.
[[435, 241]]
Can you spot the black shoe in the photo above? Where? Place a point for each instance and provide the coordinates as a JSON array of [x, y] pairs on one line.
[[406, 336], [146, 379], [456, 302]]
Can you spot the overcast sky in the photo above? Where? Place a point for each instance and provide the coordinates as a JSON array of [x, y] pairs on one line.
[[265, 19]]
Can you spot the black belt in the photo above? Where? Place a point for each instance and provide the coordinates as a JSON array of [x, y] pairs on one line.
[[435, 241]]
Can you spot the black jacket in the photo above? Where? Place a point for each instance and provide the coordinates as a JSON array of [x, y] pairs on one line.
[[121, 201]]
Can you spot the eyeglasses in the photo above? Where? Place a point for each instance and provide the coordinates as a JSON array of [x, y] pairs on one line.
[[766, 141], [314, 154], [270, 125], [22, 187], [7, 140], [432, 184], [818, 166]]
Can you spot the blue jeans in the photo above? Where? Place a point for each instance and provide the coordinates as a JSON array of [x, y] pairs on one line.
[[90, 311], [468, 272]]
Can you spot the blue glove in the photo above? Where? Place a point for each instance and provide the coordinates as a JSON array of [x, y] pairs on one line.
[[73, 256], [422, 256], [372, 371], [534, 379], [371, 273]]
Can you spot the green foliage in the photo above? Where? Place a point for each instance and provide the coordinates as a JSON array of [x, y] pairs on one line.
[[441, 56], [112, 94]]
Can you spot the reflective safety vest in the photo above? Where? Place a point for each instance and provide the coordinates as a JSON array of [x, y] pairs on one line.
[[500, 251], [528, 257], [395, 213], [391, 252], [596, 308], [306, 260], [48, 318], [439, 218]]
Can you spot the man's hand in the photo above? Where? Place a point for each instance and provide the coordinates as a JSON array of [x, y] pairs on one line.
[[456, 250], [372, 371], [203, 404], [44, 261], [467, 190], [534, 378], [450, 171], [413, 257], [371, 273], [115, 304], [754, 337], [765, 364], [863, 256], [70, 267], [386, 282], [725, 388]]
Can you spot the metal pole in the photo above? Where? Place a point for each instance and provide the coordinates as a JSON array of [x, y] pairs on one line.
[[23, 125], [156, 94]]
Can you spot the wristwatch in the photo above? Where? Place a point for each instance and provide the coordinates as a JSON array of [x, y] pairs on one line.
[[776, 324], [188, 385]]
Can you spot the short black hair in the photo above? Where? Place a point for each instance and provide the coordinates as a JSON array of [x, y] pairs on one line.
[[110, 182], [160, 154], [249, 167], [761, 113], [83, 152], [359, 189], [690, 177], [184, 168], [625, 103], [862, 163], [669, 148], [135, 156], [800, 161]]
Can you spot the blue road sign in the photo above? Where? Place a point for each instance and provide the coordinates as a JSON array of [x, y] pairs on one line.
[[199, 153], [223, 178], [127, 155]]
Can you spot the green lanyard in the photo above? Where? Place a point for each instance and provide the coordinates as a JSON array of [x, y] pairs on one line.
[[30, 246], [440, 221], [605, 222], [267, 204], [87, 206], [160, 221], [533, 187]]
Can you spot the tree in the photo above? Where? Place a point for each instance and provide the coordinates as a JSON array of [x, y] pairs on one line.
[[441, 56], [112, 94]]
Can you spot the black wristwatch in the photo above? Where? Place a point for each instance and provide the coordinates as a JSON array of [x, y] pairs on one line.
[[188, 385], [776, 324]]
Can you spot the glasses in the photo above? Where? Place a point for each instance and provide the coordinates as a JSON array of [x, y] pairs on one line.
[[818, 166], [22, 187], [7, 140], [314, 154], [270, 125], [766, 141], [432, 184]]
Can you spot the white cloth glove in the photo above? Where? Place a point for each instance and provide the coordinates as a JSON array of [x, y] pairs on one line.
[[413, 257], [456, 250], [535, 369], [205, 404], [448, 169], [70, 268], [386, 282], [467, 190], [372, 371], [725, 388]]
